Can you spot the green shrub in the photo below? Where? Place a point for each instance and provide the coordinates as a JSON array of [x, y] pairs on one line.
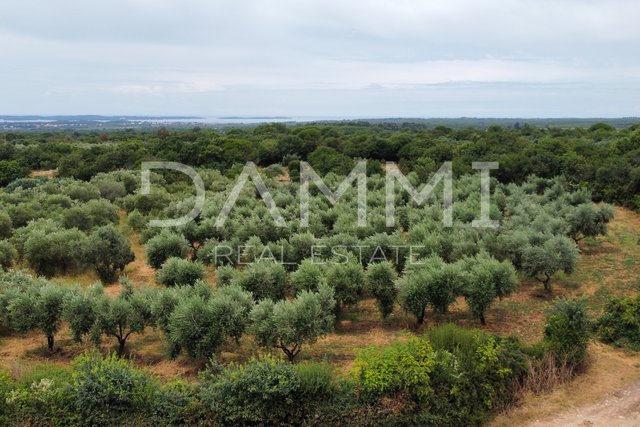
[[316, 380], [474, 374], [106, 390], [620, 323], [177, 404], [399, 368], [177, 271], [566, 332], [6, 386], [263, 392], [42, 397], [456, 377]]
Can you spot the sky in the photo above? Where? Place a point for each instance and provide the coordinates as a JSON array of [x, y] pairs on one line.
[[329, 58]]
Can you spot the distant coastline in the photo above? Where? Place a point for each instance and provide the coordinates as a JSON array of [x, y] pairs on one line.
[[10, 123]]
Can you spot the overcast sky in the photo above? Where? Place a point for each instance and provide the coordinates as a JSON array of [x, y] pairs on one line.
[[349, 58]]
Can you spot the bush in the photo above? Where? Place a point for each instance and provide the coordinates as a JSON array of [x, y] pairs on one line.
[[262, 392], [620, 323], [316, 381], [566, 332], [164, 246], [399, 368], [42, 397], [106, 390], [177, 404], [6, 386], [177, 271], [455, 377], [475, 374]]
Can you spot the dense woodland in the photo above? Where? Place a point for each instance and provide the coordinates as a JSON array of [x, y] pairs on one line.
[[600, 157], [285, 287]]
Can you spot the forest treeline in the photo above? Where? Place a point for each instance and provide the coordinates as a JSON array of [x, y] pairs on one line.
[[604, 159]]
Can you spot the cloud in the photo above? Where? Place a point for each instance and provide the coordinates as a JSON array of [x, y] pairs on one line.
[[108, 57]]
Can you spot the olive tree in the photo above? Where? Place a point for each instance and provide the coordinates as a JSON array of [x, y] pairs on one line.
[[61, 251], [8, 255], [164, 246], [308, 276], [290, 324], [541, 262], [79, 310], [587, 220], [39, 307], [433, 283], [347, 281], [178, 271], [299, 247], [127, 314], [199, 324], [136, 221], [6, 225], [486, 280], [380, 280], [264, 279], [109, 251]]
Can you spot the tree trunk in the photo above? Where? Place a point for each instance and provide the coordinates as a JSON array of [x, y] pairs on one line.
[[482, 320], [291, 354], [547, 284], [121, 343], [421, 317], [50, 342]]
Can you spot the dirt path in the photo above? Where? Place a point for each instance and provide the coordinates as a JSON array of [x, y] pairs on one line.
[[620, 409]]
